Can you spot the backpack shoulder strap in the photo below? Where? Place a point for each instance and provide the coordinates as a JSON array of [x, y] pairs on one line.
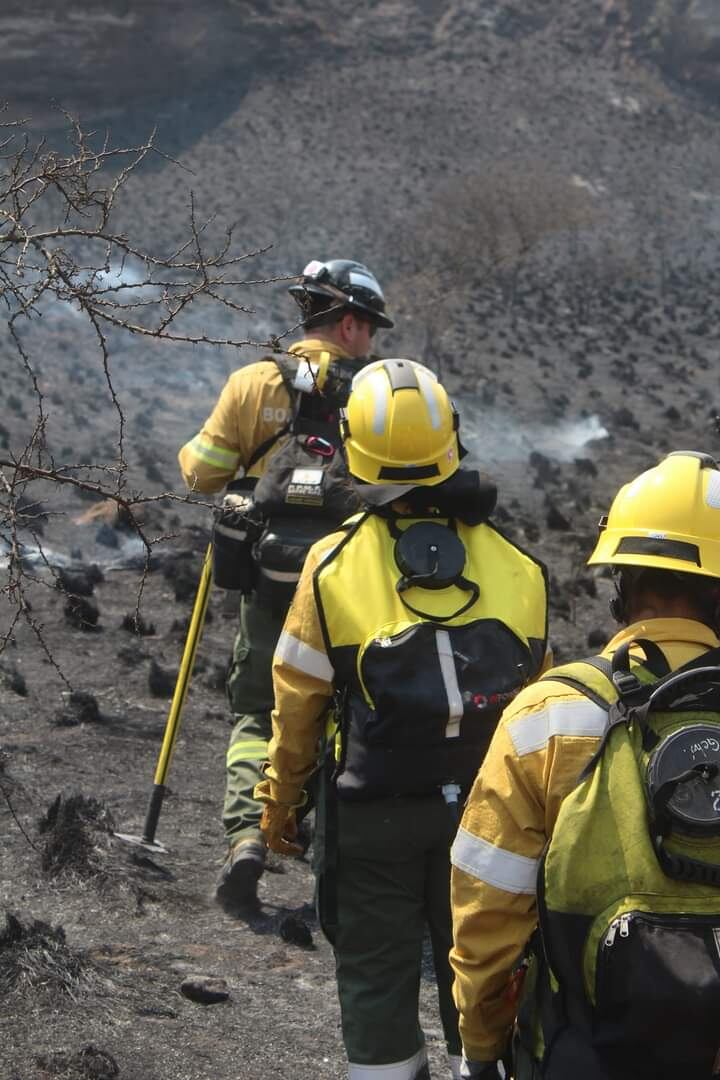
[[655, 661], [586, 682], [287, 369], [605, 691]]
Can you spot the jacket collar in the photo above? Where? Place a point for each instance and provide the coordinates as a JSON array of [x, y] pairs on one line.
[[665, 630]]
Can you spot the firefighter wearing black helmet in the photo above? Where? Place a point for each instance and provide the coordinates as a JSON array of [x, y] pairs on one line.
[[342, 307], [340, 285]]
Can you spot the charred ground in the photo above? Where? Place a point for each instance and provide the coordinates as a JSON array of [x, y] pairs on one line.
[[373, 134]]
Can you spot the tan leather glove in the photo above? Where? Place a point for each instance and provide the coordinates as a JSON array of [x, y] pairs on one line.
[[279, 829]]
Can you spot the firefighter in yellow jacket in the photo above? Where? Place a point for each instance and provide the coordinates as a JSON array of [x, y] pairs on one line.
[[662, 540], [342, 306], [419, 620]]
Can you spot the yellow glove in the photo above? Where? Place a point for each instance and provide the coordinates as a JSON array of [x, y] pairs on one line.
[[279, 829]]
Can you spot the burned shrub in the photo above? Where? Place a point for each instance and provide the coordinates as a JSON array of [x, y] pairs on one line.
[[81, 613], [555, 519], [161, 682], [12, 679], [135, 624], [87, 1063], [76, 831], [35, 958], [80, 580], [79, 707], [184, 575]]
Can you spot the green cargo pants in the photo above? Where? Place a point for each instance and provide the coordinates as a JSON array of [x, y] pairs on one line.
[[393, 881], [250, 693]]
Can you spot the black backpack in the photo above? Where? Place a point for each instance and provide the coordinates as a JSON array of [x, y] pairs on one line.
[[305, 492]]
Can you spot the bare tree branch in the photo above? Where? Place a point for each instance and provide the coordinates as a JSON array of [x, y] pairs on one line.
[[60, 244]]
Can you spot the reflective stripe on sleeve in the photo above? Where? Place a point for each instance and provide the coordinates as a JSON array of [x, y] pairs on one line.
[[502, 869], [395, 1070], [246, 750], [297, 654], [534, 731], [219, 456]]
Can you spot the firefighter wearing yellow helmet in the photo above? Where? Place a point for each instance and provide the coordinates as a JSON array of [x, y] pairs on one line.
[[414, 623], [263, 411], [595, 816]]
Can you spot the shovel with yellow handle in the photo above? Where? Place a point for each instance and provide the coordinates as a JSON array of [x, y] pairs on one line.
[[172, 727]]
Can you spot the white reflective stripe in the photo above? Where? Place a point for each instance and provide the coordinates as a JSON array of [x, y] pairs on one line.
[[427, 389], [713, 491], [579, 717], [280, 575], [380, 397], [449, 675], [455, 1061], [502, 869], [290, 650], [398, 1070], [367, 281]]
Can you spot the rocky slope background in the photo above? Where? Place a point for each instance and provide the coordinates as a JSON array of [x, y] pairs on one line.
[[537, 185]]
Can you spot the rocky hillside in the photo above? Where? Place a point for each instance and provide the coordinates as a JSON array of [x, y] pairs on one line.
[[537, 185]]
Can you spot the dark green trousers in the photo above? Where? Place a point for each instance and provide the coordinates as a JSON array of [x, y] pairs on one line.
[[250, 693], [393, 883]]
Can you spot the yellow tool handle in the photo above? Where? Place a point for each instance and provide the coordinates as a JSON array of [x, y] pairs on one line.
[[186, 668]]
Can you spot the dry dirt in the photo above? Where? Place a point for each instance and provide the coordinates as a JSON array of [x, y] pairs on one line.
[[326, 133]]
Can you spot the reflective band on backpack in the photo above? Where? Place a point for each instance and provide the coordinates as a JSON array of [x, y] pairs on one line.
[[280, 575], [400, 1070], [493, 865], [449, 676], [297, 654], [570, 718]]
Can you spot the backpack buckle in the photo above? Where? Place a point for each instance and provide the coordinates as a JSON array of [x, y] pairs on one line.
[[626, 683]]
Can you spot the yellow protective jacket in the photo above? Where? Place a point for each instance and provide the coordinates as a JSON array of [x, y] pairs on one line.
[[545, 738], [347, 620], [253, 406]]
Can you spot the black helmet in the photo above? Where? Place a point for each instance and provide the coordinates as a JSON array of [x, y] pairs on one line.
[[350, 284]]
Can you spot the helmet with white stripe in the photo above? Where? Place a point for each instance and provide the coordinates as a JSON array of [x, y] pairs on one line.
[[337, 286], [400, 427]]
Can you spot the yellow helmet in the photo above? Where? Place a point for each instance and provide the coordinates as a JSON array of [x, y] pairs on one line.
[[400, 427], [667, 518]]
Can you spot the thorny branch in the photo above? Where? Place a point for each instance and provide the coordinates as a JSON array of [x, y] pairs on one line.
[[59, 244]]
